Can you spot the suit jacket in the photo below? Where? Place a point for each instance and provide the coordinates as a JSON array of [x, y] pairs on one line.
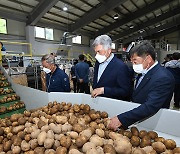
[[153, 93], [115, 79], [82, 71]]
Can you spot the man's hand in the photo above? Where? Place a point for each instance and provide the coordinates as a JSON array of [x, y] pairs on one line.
[[97, 91], [80, 80], [114, 123]]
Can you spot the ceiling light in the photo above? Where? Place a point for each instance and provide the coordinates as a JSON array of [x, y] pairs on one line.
[[116, 16], [131, 26], [65, 8]]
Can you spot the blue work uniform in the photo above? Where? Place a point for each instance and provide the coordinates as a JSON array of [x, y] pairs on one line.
[[57, 82]]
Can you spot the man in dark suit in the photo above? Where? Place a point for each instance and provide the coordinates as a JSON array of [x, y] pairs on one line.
[[111, 75], [153, 89], [82, 73]]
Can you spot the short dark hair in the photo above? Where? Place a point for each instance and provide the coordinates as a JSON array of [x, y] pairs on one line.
[[144, 48], [176, 56], [81, 57], [1, 43]]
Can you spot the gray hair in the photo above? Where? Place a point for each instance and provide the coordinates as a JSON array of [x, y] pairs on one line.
[[49, 58], [103, 40]]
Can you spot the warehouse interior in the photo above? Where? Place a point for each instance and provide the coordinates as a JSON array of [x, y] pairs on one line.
[[30, 29]]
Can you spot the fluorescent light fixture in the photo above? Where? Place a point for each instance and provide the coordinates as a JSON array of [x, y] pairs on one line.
[[65, 8]]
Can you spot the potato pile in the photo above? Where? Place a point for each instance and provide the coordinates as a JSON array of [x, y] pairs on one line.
[[4, 83], [14, 106], [2, 78], [4, 91], [63, 128], [9, 98]]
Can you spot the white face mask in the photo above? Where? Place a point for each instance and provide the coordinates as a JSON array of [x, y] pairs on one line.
[[138, 68], [46, 70], [100, 58]]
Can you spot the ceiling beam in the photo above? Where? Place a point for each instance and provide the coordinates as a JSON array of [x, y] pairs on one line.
[[152, 31], [139, 13], [59, 27], [40, 10], [95, 13], [163, 33], [13, 16], [148, 23]]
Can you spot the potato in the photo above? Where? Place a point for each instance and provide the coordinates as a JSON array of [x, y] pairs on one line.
[[56, 144], [35, 133], [98, 141], [73, 120], [61, 119], [41, 138], [27, 137], [7, 145], [100, 133], [61, 150], [50, 151], [142, 133], [17, 141], [50, 134], [135, 131], [138, 151], [87, 133], [127, 133], [73, 134], [48, 143], [81, 140], [65, 141], [108, 148], [40, 124], [66, 127], [1, 131], [74, 151], [93, 125], [16, 150], [25, 146], [17, 129], [176, 150], [159, 147], [87, 146], [21, 134], [152, 134], [159, 139], [170, 144], [104, 115], [33, 143], [21, 121], [135, 141], [167, 152], [86, 108], [123, 146], [39, 150], [78, 128], [114, 135], [145, 141]]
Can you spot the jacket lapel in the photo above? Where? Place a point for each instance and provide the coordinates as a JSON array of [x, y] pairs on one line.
[[146, 78], [95, 74]]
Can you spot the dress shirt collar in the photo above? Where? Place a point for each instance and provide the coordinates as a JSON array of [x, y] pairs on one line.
[[145, 72]]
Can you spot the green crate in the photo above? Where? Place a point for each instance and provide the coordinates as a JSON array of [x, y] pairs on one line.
[[8, 114]]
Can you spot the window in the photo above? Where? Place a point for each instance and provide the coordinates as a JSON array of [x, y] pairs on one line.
[[113, 46], [45, 33], [39, 32], [49, 34], [76, 39], [3, 28]]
